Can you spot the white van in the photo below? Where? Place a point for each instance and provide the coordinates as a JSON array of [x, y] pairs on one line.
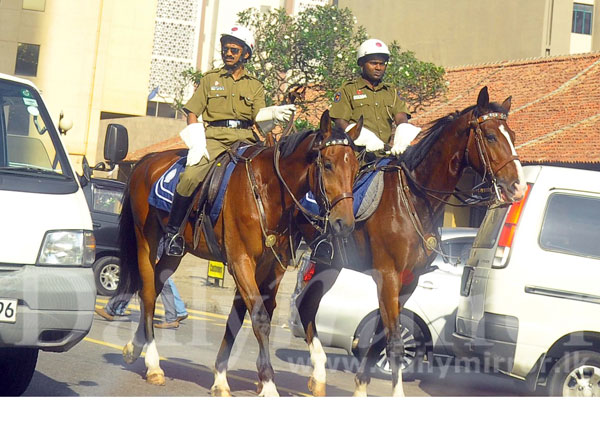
[[47, 246], [530, 291]]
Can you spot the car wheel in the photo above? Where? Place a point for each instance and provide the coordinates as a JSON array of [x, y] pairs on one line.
[[16, 370], [576, 374], [412, 336], [106, 275]]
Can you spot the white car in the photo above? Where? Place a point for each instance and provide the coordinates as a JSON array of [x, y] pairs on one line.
[[349, 311]]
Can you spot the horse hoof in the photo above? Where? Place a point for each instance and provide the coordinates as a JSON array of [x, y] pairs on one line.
[[220, 392], [267, 389], [318, 389], [157, 379], [128, 354]]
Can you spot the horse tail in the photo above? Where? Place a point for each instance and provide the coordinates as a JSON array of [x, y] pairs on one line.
[[129, 276]]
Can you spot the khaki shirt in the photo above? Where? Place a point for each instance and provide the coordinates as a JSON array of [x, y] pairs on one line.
[[377, 106], [220, 97]]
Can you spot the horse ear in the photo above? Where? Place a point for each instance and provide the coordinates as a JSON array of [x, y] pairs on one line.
[[506, 103], [483, 99], [325, 123], [354, 132]]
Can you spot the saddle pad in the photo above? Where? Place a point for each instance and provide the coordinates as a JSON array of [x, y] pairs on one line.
[[367, 191], [161, 196]]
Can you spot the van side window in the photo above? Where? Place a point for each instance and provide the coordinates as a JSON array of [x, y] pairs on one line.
[[571, 225], [106, 200]]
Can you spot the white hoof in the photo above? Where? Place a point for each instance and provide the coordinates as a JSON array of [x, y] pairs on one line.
[[267, 389], [130, 353]]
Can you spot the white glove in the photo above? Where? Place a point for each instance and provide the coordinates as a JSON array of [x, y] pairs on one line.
[[195, 139], [266, 117], [282, 114], [405, 134], [367, 139]]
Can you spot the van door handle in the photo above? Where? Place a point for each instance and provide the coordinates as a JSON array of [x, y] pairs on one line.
[[96, 225], [428, 285]]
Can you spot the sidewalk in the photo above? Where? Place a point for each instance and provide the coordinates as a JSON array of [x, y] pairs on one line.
[[190, 279]]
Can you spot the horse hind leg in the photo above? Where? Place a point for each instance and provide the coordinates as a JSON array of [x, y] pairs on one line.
[[307, 304], [220, 387]]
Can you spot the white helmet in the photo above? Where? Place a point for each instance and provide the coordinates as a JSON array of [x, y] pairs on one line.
[[372, 46], [242, 34]]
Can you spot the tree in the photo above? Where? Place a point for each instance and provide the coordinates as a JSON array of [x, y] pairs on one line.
[[317, 50]]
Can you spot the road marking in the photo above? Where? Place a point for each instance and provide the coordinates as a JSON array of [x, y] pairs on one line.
[[160, 308], [197, 367]]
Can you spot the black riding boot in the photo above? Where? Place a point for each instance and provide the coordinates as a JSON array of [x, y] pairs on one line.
[[174, 242]]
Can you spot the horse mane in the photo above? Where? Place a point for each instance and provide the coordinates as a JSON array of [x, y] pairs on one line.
[[415, 154], [289, 143]]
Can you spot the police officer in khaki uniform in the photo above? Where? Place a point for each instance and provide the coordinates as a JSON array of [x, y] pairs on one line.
[[377, 101], [227, 101]]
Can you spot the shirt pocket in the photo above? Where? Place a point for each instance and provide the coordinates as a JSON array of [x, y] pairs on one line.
[[243, 105], [363, 107], [217, 103]]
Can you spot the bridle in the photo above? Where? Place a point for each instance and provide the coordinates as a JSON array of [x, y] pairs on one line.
[[479, 194], [319, 222], [482, 151]]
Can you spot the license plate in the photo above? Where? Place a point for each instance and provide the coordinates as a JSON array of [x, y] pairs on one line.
[[8, 310]]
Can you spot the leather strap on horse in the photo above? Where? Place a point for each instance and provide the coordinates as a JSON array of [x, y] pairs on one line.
[[309, 215], [270, 239], [430, 241]]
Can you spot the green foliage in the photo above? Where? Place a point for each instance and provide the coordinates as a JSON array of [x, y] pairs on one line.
[[318, 48], [301, 124], [188, 77]]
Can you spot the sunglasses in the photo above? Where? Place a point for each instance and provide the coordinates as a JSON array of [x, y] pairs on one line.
[[234, 51]]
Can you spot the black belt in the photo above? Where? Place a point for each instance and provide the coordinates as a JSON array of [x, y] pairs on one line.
[[232, 124]]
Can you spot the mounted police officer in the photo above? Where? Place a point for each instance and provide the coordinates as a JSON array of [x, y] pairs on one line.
[[378, 102], [222, 111]]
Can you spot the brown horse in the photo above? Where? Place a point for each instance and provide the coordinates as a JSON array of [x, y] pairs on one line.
[[253, 232], [397, 243]]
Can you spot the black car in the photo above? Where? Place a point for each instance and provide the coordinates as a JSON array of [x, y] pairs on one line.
[[104, 200]]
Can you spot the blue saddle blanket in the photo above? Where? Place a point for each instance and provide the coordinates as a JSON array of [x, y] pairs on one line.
[[161, 195], [359, 190]]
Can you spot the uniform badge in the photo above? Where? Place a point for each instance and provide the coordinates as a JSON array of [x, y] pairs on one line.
[[337, 97], [217, 87]]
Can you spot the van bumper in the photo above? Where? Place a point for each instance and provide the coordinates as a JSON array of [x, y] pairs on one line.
[[55, 306]]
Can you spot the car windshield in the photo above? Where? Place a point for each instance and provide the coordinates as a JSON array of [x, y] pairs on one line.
[[27, 145]]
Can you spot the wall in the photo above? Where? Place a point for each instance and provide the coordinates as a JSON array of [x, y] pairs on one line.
[[93, 57], [461, 32]]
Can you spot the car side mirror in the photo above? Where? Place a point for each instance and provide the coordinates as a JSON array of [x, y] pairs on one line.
[[116, 143]]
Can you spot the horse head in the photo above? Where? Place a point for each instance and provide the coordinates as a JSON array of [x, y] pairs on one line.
[[491, 151], [332, 175]]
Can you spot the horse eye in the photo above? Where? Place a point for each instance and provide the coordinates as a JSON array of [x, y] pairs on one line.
[[328, 165], [491, 138]]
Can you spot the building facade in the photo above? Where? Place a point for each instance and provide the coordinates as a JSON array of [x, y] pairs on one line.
[[462, 32], [89, 59]]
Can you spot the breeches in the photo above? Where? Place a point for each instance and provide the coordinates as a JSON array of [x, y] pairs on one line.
[[193, 175]]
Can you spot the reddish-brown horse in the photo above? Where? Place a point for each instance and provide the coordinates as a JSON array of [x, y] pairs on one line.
[[252, 231], [393, 242]]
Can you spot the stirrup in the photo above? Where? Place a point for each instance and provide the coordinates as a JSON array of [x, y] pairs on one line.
[[175, 244]]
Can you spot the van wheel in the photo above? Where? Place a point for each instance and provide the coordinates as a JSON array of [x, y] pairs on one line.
[[16, 370], [414, 346], [106, 275], [576, 374]]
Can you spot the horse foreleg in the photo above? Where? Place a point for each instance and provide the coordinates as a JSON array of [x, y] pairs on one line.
[[220, 387]]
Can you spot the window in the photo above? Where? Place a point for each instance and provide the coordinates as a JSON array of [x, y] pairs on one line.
[[27, 59], [571, 225], [37, 5], [107, 200], [582, 18]]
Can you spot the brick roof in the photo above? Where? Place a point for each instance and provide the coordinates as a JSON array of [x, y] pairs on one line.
[[555, 110]]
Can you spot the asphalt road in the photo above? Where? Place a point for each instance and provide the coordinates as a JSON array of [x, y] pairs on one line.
[[95, 366]]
